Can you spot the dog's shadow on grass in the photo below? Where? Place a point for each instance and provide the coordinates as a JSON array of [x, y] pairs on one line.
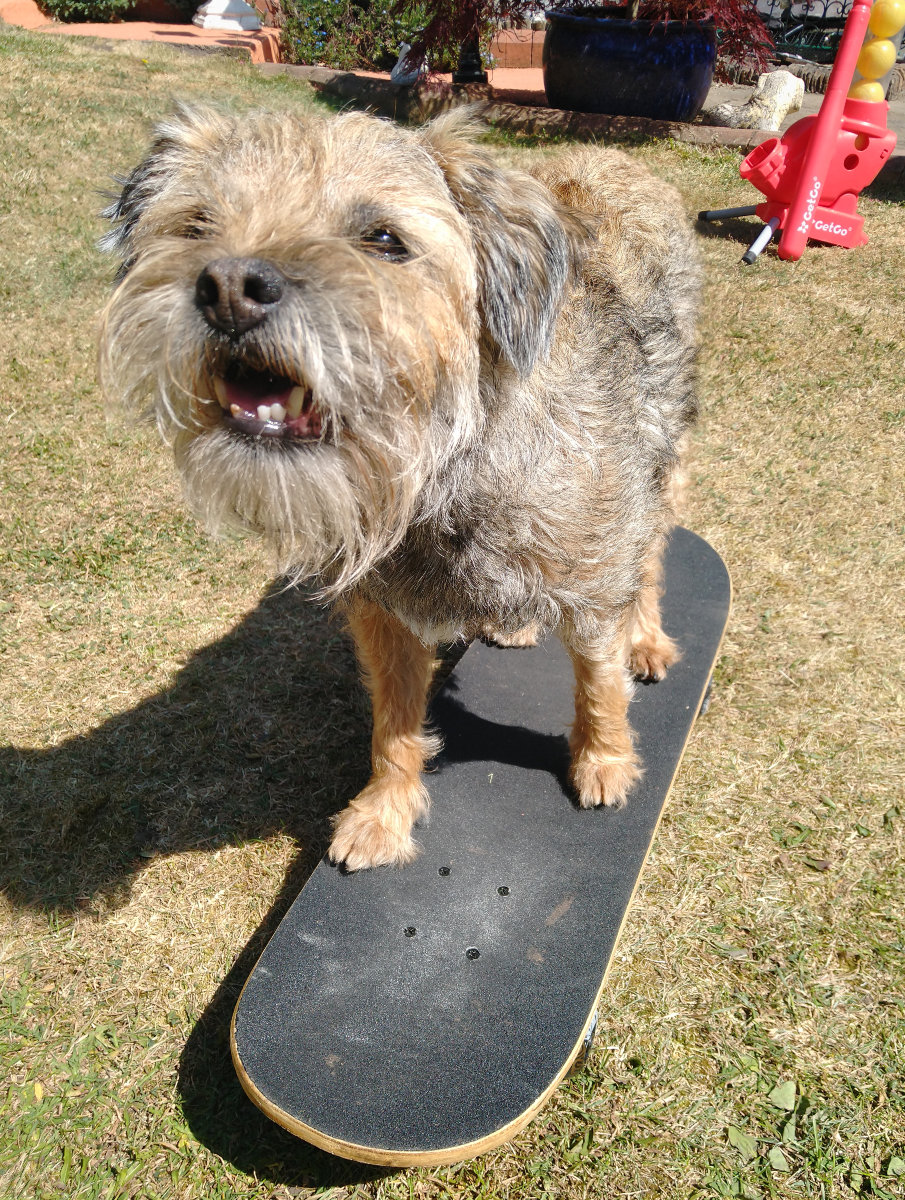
[[265, 732]]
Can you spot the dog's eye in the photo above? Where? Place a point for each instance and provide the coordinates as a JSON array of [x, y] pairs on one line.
[[384, 244]]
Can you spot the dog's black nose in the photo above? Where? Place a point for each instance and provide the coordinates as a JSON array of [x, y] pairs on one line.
[[236, 294]]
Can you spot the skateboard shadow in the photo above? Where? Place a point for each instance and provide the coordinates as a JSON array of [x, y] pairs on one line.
[[216, 1109]]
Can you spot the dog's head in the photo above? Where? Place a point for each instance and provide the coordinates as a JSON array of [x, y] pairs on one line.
[[309, 301]]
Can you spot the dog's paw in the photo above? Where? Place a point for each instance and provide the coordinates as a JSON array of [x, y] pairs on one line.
[[361, 839], [370, 833], [605, 781], [651, 658]]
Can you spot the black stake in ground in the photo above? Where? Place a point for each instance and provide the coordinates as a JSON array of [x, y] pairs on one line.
[[469, 69]]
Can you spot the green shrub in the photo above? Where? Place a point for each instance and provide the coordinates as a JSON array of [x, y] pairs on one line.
[[348, 33], [76, 11], [188, 8]]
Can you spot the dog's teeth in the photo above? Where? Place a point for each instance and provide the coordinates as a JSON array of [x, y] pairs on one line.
[[263, 412], [220, 389], [237, 410], [277, 412], [296, 401]]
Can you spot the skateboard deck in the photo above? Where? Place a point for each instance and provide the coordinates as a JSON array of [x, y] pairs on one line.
[[423, 1015]]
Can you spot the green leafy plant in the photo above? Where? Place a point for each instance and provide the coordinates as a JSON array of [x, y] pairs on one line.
[[80, 11], [349, 33]]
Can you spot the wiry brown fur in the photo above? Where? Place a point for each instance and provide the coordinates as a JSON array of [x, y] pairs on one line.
[[503, 408]]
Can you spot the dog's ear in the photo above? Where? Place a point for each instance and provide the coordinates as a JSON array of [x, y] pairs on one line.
[[186, 134], [528, 247]]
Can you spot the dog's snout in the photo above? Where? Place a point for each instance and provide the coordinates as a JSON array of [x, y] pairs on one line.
[[236, 294]]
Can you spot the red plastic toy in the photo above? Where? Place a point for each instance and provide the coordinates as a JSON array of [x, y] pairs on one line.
[[812, 175]]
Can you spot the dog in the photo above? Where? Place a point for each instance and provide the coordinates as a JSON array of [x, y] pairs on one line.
[[453, 393]]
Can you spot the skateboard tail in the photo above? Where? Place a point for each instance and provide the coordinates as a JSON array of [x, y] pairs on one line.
[[380, 1157]]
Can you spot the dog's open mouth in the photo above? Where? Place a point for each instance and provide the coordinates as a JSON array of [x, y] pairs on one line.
[[268, 406]]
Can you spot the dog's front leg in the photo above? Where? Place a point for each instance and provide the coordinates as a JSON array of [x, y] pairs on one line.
[[604, 762], [651, 651], [376, 828]]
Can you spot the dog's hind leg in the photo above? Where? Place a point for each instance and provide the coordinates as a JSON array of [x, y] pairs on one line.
[[376, 828], [651, 651], [604, 762]]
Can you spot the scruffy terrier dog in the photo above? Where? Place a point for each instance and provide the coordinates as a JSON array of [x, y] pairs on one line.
[[451, 392]]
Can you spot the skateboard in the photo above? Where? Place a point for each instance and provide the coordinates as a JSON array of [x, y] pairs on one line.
[[421, 1015]]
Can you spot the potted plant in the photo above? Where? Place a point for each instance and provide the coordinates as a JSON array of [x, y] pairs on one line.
[[652, 58]]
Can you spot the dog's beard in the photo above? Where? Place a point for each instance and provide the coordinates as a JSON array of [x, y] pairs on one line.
[[388, 414], [328, 510]]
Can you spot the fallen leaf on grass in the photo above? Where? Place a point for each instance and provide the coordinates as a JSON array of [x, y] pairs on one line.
[[737, 953], [744, 1143], [816, 864], [778, 1160], [783, 1096]]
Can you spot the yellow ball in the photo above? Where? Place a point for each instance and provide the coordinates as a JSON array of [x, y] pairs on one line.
[[876, 58], [887, 17], [867, 89]]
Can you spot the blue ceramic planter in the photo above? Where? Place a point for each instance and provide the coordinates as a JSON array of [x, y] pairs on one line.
[[602, 64]]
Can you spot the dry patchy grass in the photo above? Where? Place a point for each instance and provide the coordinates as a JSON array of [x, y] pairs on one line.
[[176, 733]]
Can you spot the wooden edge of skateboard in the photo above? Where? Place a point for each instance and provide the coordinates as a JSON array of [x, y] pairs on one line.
[[400, 1158], [453, 1154]]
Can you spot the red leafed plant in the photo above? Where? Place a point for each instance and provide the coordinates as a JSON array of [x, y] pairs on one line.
[[743, 37]]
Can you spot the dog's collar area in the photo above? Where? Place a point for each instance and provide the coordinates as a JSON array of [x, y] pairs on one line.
[[265, 405]]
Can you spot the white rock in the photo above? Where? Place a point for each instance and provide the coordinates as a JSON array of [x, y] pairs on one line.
[[777, 94]]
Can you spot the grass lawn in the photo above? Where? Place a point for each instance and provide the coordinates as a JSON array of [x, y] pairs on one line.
[[175, 731]]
